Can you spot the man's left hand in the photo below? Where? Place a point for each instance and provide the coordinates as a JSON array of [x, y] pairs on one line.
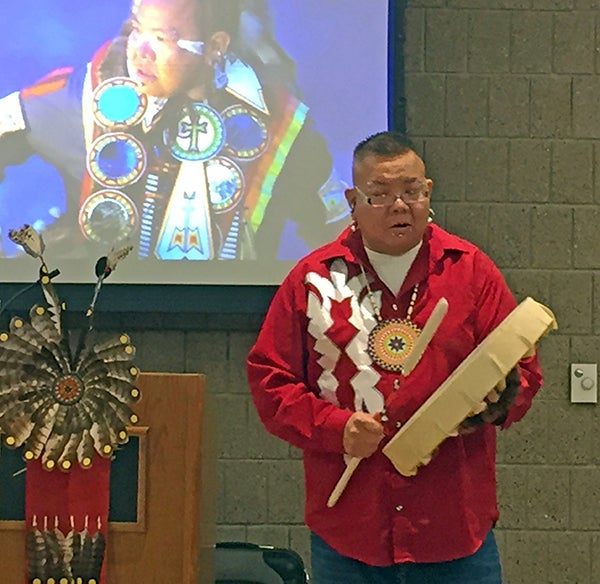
[[496, 404]]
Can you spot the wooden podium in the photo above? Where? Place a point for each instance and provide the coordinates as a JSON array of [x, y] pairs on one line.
[[169, 537]]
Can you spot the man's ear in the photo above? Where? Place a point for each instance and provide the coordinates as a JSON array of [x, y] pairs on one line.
[[429, 184], [217, 46]]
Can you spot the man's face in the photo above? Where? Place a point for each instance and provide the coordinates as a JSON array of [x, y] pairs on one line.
[[154, 59], [397, 226]]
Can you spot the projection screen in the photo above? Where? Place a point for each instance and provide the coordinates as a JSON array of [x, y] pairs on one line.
[[227, 188]]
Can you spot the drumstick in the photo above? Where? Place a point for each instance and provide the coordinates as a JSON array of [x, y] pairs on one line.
[[343, 481], [434, 320]]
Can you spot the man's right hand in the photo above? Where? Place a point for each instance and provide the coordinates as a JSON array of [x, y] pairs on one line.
[[362, 434]]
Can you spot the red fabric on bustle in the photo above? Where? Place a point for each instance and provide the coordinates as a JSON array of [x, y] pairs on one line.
[[78, 493]]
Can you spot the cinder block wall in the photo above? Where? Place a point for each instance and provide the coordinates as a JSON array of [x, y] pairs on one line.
[[504, 104], [503, 100]]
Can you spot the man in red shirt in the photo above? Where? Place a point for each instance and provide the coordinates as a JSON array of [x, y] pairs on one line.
[[322, 381]]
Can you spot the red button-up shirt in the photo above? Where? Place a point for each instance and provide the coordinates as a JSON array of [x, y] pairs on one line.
[[309, 369]]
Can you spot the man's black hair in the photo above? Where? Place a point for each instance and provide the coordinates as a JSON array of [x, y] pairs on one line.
[[383, 144], [221, 15]]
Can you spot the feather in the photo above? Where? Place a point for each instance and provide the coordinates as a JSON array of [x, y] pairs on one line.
[[117, 429], [98, 547], [89, 366], [59, 420], [104, 266], [29, 239], [53, 450], [11, 378], [76, 561], [116, 370], [91, 406], [111, 343], [16, 425], [53, 551], [29, 333], [85, 552], [11, 393], [54, 304], [42, 321], [115, 256], [65, 551], [85, 449], [74, 420], [15, 348], [101, 435], [46, 411], [35, 547], [41, 431], [121, 390], [116, 348], [121, 353], [80, 419], [17, 406], [69, 455], [121, 410]]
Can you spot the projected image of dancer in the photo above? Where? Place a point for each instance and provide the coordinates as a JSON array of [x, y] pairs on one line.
[[184, 135]]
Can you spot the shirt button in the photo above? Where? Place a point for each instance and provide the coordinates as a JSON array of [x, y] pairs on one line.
[[399, 507], [398, 424]]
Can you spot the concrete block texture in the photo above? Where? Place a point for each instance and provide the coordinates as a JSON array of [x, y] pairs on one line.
[[445, 160], [426, 112], [509, 243], [572, 171], [553, 351], [488, 48], [551, 106], [446, 33], [529, 170], [547, 492], [534, 283], [586, 243], [509, 106], [551, 236], [531, 42], [570, 295], [467, 108], [525, 560], [414, 23], [574, 42], [526, 441], [585, 485], [586, 101], [487, 170], [569, 558], [469, 221]]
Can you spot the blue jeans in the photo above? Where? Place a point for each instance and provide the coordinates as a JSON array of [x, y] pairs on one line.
[[330, 567]]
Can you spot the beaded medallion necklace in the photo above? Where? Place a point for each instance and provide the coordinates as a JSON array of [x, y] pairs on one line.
[[392, 339]]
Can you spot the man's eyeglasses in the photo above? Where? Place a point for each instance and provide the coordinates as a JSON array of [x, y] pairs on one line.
[[409, 197]]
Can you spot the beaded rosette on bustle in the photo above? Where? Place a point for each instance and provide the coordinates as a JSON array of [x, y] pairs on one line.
[[68, 408]]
